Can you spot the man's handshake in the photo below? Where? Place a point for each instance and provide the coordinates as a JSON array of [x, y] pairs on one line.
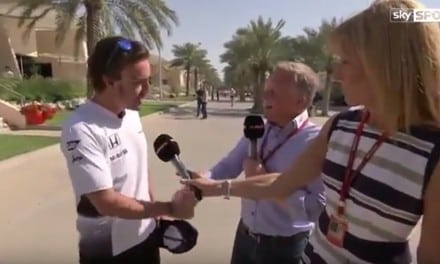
[[183, 204], [212, 188]]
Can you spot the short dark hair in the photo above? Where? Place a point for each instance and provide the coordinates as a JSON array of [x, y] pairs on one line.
[[108, 59]]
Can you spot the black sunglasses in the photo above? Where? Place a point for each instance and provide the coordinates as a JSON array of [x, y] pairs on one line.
[[123, 45]]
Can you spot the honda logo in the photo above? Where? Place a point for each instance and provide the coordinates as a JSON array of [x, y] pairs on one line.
[[114, 141]]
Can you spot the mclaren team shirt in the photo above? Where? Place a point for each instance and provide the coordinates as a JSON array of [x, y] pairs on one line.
[[102, 151]]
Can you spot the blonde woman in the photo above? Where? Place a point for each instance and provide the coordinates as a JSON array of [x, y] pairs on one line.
[[380, 164]]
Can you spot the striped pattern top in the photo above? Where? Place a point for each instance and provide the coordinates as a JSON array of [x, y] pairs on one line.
[[385, 200]]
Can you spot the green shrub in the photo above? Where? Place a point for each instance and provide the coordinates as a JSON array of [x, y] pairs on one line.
[[48, 90], [7, 89]]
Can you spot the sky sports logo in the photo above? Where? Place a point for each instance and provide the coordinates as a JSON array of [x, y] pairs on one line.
[[399, 15]]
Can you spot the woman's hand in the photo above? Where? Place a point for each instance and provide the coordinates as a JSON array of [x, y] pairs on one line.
[[208, 187]]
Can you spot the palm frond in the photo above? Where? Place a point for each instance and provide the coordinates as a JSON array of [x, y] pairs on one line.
[[80, 35], [31, 24], [65, 16], [148, 18], [143, 19], [177, 62], [28, 8], [253, 50]]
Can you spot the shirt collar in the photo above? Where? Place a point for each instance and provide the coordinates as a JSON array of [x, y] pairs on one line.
[[104, 111], [301, 119], [295, 123]]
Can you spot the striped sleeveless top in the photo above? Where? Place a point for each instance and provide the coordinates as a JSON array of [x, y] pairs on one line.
[[385, 200]]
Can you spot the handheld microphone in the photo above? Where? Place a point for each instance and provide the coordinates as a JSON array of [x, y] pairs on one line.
[[167, 149], [253, 130]]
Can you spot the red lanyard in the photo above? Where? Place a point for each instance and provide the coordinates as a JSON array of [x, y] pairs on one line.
[[350, 174], [277, 147]]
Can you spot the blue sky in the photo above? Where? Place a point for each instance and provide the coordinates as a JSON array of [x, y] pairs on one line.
[[213, 22]]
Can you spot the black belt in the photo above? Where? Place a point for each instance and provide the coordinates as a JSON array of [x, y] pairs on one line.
[[278, 239]]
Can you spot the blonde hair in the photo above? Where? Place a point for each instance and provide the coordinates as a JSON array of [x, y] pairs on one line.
[[401, 61], [303, 77]]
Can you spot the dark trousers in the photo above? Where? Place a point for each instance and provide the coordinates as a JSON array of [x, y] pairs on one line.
[[199, 106], [253, 249], [145, 252], [203, 110]]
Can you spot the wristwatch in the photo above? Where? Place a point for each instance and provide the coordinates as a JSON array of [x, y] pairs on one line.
[[227, 187]]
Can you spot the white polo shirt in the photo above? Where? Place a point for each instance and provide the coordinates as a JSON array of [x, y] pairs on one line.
[[104, 151]]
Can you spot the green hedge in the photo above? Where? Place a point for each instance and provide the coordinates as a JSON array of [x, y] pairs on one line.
[[48, 90]]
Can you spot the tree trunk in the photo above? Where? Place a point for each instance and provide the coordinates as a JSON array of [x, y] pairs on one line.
[[327, 89], [93, 8], [241, 93], [212, 92], [196, 79], [257, 108], [188, 74]]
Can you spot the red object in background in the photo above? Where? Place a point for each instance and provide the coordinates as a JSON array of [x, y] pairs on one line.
[[34, 117], [36, 114], [49, 112]]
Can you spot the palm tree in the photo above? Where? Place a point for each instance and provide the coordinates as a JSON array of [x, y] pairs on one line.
[[200, 67], [310, 49], [191, 57], [209, 76], [96, 18], [254, 50], [238, 77]]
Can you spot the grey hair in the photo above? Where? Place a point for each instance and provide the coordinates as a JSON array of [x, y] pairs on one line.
[[306, 80]]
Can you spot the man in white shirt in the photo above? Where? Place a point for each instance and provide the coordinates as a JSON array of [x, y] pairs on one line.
[[232, 95], [106, 154]]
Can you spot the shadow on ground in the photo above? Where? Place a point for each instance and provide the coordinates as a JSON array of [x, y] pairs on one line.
[[189, 112]]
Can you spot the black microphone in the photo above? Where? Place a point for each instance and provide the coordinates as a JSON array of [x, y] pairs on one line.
[[253, 130], [167, 149]]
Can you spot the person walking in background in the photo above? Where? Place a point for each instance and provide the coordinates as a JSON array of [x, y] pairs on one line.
[[211, 91], [204, 102], [232, 95], [217, 91], [199, 93]]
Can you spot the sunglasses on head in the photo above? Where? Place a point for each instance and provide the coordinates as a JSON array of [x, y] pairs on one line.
[[122, 45]]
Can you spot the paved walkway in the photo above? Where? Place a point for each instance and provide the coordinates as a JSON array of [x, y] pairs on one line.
[[37, 207]]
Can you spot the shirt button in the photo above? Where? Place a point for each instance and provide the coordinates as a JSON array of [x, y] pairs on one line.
[[253, 213]]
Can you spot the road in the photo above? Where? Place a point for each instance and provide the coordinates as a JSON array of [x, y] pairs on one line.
[[37, 205]]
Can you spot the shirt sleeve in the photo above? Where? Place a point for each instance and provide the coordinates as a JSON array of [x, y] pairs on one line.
[[314, 200], [313, 194], [86, 163], [232, 164]]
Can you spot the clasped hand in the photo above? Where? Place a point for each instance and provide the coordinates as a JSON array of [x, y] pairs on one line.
[[217, 188], [183, 204]]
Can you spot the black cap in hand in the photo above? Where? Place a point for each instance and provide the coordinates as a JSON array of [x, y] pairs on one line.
[[166, 148], [253, 127]]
